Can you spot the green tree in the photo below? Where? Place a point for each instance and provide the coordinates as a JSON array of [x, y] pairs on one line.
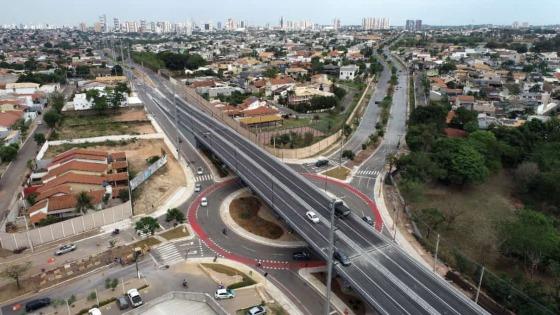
[[8, 153], [100, 102], [39, 138], [174, 214], [531, 236], [51, 118], [485, 143], [271, 72], [15, 272], [462, 164], [83, 202], [56, 101], [124, 196], [147, 225], [431, 218]]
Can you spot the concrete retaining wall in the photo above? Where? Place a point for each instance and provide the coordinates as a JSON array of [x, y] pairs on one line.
[[92, 220], [187, 296]]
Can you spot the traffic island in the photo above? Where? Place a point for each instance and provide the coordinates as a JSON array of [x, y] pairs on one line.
[[250, 218]]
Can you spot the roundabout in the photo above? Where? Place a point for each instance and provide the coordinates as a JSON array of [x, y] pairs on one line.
[[213, 225]]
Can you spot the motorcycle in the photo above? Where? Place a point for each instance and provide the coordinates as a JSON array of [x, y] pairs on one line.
[[185, 284]]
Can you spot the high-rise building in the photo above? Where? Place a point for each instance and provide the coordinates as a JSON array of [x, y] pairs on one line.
[[116, 25], [418, 25], [143, 28], [103, 23], [97, 27], [83, 27], [336, 24], [515, 25], [370, 23], [281, 22], [409, 26], [413, 25]]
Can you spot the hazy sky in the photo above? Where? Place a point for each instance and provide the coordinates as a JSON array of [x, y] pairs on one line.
[[448, 12]]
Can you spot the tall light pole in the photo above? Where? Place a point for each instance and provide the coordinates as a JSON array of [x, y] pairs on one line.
[[330, 256]]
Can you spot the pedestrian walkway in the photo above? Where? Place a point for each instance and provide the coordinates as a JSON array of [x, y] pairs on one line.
[[372, 173], [167, 254], [204, 178]]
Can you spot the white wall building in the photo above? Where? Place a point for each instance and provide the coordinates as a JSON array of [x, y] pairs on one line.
[[348, 72]]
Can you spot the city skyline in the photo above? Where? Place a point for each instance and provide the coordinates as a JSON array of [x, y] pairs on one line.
[[432, 12]]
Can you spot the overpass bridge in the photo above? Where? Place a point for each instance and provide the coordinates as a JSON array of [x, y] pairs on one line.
[[382, 273]]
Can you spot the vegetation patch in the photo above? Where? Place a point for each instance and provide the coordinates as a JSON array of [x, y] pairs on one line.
[[178, 232], [245, 282], [339, 172]]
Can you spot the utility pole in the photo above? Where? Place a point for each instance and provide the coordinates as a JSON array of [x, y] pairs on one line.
[[479, 285], [330, 254], [435, 254]]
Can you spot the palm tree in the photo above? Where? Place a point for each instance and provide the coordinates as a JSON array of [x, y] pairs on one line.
[[83, 202]]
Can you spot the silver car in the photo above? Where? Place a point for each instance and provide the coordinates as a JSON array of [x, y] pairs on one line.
[[65, 249]]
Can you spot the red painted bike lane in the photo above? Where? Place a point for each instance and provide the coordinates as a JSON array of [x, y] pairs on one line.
[[371, 204], [261, 263]]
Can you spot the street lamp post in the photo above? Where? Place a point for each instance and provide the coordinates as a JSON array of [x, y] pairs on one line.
[[330, 257]]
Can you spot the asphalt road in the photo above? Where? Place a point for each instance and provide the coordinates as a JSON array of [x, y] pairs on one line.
[[394, 135], [11, 180], [382, 273]]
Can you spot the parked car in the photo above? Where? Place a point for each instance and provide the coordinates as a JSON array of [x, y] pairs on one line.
[[199, 171], [94, 311], [368, 220], [197, 187], [34, 305], [65, 249], [321, 163], [222, 294], [256, 310], [302, 255], [204, 202], [122, 302], [312, 216], [134, 297], [342, 258]]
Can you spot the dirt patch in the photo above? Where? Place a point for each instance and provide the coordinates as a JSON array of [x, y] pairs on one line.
[[160, 186], [131, 115], [350, 298], [245, 212], [338, 172], [103, 129]]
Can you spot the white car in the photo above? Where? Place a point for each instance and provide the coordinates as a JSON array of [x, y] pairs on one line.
[[94, 311], [204, 202], [222, 294], [197, 187], [312, 216], [199, 171], [134, 297]]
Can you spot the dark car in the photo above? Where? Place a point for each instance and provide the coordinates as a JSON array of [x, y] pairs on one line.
[[342, 258], [303, 255], [321, 163], [122, 302], [37, 304], [368, 220]]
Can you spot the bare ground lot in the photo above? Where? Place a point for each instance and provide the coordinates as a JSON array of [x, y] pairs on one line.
[[161, 185], [130, 122]]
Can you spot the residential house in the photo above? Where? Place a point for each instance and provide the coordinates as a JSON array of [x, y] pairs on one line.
[[348, 72], [98, 173]]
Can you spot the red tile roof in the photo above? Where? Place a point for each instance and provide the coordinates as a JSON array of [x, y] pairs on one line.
[[9, 118], [77, 166], [260, 111], [455, 133]]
